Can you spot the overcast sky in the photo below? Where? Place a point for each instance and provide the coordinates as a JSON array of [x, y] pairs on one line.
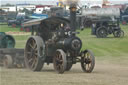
[[54, 1]]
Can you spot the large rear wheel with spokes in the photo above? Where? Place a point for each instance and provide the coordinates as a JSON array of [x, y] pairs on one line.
[[101, 32], [34, 53]]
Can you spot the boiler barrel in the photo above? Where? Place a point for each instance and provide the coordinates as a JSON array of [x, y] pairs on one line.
[[101, 12]]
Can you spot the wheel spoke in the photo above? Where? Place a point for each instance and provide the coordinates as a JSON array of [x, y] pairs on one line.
[[36, 54], [57, 56], [58, 66], [30, 60], [86, 55], [60, 56], [34, 62], [83, 54], [86, 66], [28, 53], [35, 47], [88, 63], [61, 66], [60, 61], [33, 42], [31, 45], [89, 57]]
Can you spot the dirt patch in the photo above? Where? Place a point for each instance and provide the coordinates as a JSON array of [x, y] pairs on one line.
[[105, 73]]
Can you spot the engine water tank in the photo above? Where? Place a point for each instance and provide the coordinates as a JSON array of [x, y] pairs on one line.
[[101, 12]]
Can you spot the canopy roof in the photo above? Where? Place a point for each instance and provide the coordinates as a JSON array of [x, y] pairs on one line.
[[51, 20]]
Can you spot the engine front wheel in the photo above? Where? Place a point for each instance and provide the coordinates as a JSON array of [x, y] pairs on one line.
[[59, 61], [87, 61], [118, 33]]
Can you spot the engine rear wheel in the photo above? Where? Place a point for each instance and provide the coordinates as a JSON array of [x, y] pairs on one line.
[[8, 61], [34, 53], [101, 32], [87, 61], [59, 61]]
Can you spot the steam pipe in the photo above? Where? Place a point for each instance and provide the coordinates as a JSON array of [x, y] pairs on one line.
[[73, 16]]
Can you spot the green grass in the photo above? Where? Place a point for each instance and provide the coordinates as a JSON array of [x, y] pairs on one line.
[[21, 41], [100, 46], [6, 28], [106, 48]]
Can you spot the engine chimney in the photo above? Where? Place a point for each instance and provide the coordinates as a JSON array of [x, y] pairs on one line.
[[73, 16]]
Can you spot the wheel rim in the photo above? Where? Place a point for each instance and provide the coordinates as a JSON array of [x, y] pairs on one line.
[[59, 61], [32, 53], [119, 33], [35, 53], [122, 33], [8, 62], [116, 34], [10, 42], [5, 62], [87, 62], [102, 33]]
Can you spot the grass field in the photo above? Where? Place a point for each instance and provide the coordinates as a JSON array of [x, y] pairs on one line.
[[100, 46], [111, 64]]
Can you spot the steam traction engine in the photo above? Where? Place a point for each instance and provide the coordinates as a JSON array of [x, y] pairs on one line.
[[104, 21], [55, 41]]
